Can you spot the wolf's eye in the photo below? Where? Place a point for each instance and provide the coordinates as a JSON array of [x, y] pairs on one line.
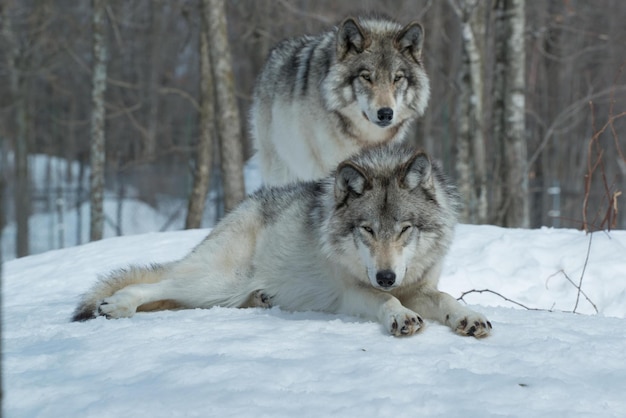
[[405, 229], [398, 77], [366, 77], [367, 229]]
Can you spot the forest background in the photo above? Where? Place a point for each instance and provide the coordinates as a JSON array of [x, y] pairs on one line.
[[168, 134]]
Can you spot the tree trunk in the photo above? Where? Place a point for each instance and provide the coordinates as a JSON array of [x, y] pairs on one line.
[[2, 222], [471, 160], [202, 172], [510, 117], [152, 96], [17, 87], [428, 137], [79, 200], [228, 122], [97, 120]]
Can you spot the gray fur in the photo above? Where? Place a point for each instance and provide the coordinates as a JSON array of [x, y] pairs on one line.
[[320, 99], [368, 240]]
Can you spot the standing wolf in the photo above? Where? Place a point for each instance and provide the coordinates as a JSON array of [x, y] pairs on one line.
[[320, 99], [369, 240]]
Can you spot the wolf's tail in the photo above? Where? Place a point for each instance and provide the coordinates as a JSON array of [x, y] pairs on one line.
[[108, 285]]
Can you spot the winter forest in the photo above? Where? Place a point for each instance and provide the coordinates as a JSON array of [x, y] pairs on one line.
[[108, 100]]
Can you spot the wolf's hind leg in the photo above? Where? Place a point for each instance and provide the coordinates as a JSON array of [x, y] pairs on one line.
[[262, 299], [258, 299], [124, 302]]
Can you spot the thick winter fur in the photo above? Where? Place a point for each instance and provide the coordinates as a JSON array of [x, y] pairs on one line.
[[369, 240], [320, 99]]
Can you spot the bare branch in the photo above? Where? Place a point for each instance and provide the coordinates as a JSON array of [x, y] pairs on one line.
[[181, 93], [577, 287], [563, 118], [582, 275], [299, 12], [460, 298]]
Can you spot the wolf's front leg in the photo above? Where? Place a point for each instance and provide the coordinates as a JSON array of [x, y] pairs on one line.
[[472, 324], [442, 307], [396, 319], [399, 320]]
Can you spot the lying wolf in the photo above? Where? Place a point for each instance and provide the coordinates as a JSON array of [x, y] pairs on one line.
[[320, 99], [369, 240]]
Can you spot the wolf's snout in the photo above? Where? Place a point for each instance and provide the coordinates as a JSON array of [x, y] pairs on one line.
[[385, 116], [385, 278]]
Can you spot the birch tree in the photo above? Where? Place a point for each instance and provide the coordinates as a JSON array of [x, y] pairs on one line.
[[2, 200], [509, 117], [228, 121], [152, 97], [202, 169], [97, 120], [471, 161], [2, 222]]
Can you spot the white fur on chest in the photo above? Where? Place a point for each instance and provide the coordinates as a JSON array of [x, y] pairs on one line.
[[313, 142]]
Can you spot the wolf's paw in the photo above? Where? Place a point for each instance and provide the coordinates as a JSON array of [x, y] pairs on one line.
[[473, 325], [404, 323], [117, 306], [260, 299]]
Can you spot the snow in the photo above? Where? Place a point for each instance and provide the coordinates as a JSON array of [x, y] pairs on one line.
[[543, 362], [270, 363]]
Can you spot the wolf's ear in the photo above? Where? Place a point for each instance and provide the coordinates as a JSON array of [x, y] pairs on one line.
[[417, 171], [351, 37], [410, 40], [349, 179]]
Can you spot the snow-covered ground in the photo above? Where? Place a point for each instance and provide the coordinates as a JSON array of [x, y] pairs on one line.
[[270, 363]]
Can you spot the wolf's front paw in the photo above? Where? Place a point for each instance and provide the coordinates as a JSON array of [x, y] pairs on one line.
[[473, 325], [117, 306], [403, 323]]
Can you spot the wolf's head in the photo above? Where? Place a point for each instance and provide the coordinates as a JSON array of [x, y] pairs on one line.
[[393, 216], [379, 69]]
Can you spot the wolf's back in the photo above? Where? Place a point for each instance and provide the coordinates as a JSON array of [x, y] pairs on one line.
[[292, 67], [107, 286]]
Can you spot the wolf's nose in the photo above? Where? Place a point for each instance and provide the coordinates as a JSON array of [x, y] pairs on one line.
[[385, 278], [385, 114]]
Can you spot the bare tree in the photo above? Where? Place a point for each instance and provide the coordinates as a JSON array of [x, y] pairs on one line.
[[15, 60], [207, 128], [228, 121], [574, 52], [509, 113], [471, 160], [99, 79], [156, 23], [2, 221]]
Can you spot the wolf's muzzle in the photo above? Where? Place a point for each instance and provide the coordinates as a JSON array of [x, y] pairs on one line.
[[385, 278], [385, 116]]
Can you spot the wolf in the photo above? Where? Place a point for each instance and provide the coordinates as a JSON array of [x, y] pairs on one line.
[[320, 99], [368, 240]]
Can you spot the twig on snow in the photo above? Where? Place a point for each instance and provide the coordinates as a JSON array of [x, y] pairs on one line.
[[460, 298]]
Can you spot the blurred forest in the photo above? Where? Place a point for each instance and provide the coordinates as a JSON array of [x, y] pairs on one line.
[[574, 85]]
